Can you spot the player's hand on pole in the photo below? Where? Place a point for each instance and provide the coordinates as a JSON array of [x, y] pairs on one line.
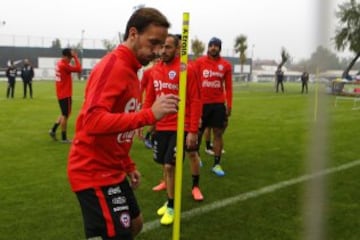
[[165, 104], [134, 177]]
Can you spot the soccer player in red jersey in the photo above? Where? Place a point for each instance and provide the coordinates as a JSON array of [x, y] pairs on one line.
[[215, 75], [100, 170], [165, 80], [63, 83]]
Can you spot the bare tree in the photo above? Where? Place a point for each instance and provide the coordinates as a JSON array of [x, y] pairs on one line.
[[285, 56], [56, 43], [197, 47], [108, 44]]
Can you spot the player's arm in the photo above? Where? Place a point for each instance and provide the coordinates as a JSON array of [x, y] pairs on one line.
[[228, 90], [74, 68]]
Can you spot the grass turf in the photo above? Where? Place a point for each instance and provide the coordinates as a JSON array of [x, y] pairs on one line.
[[266, 142]]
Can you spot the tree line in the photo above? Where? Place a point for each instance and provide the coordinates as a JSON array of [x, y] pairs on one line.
[[347, 37]]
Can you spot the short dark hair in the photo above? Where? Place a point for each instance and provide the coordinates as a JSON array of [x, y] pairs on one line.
[[176, 38], [143, 17], [66, 52]]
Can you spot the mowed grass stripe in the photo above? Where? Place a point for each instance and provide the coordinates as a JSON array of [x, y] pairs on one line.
[[151, 225]]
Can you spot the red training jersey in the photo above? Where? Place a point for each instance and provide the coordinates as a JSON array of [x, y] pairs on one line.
[[106, 125], [145, 79], [164, 79], [215, 79], [63, 78]]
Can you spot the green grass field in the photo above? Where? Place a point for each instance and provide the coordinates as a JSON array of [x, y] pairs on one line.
[[266, 143]]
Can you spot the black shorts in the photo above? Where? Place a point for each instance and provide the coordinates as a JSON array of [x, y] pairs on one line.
[[165, 147], [214, 116], [65, 106], [108, 211]]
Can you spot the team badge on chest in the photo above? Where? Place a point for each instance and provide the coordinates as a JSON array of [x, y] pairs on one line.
[[172, 74], [220, 67]]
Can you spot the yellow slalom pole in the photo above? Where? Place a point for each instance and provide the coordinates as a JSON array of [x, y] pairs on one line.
[[180, 126]]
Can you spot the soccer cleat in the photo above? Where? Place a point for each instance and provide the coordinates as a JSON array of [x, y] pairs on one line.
[[66, 141], [209, 151], [168, 217], [52, 135], [161, 186], [148, 143], [218, 170], [196, 193], [161, 211]]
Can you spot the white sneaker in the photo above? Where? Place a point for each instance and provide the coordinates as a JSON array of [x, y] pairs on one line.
[[209, 151]]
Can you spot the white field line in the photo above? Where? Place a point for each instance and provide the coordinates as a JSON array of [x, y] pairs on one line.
[[148, 226]]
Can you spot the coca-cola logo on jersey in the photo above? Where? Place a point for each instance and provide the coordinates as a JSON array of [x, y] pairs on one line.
[[209, 73], [211, 84], [131, 106]]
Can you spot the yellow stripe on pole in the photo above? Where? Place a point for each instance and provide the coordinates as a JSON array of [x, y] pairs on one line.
[[180, 125]]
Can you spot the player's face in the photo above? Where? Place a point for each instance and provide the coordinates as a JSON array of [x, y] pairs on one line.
[[148, 43], [214, 50], [168, 50]]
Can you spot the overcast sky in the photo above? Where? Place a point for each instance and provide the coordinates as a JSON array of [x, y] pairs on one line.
[[297, 25]]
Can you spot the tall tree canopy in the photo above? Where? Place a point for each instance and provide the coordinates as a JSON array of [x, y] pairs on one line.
[[240, 47], [197, 48], [347, 33]]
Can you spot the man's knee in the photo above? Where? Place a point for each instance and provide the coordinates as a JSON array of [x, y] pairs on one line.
[[136, 225]]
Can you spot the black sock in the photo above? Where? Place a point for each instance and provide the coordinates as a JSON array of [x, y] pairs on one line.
[[56, 125], [195, 180], [208, 145], [63, 135], [170, 203], [216, 160]]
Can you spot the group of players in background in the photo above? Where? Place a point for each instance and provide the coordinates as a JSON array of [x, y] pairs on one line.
[[208, 106]]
